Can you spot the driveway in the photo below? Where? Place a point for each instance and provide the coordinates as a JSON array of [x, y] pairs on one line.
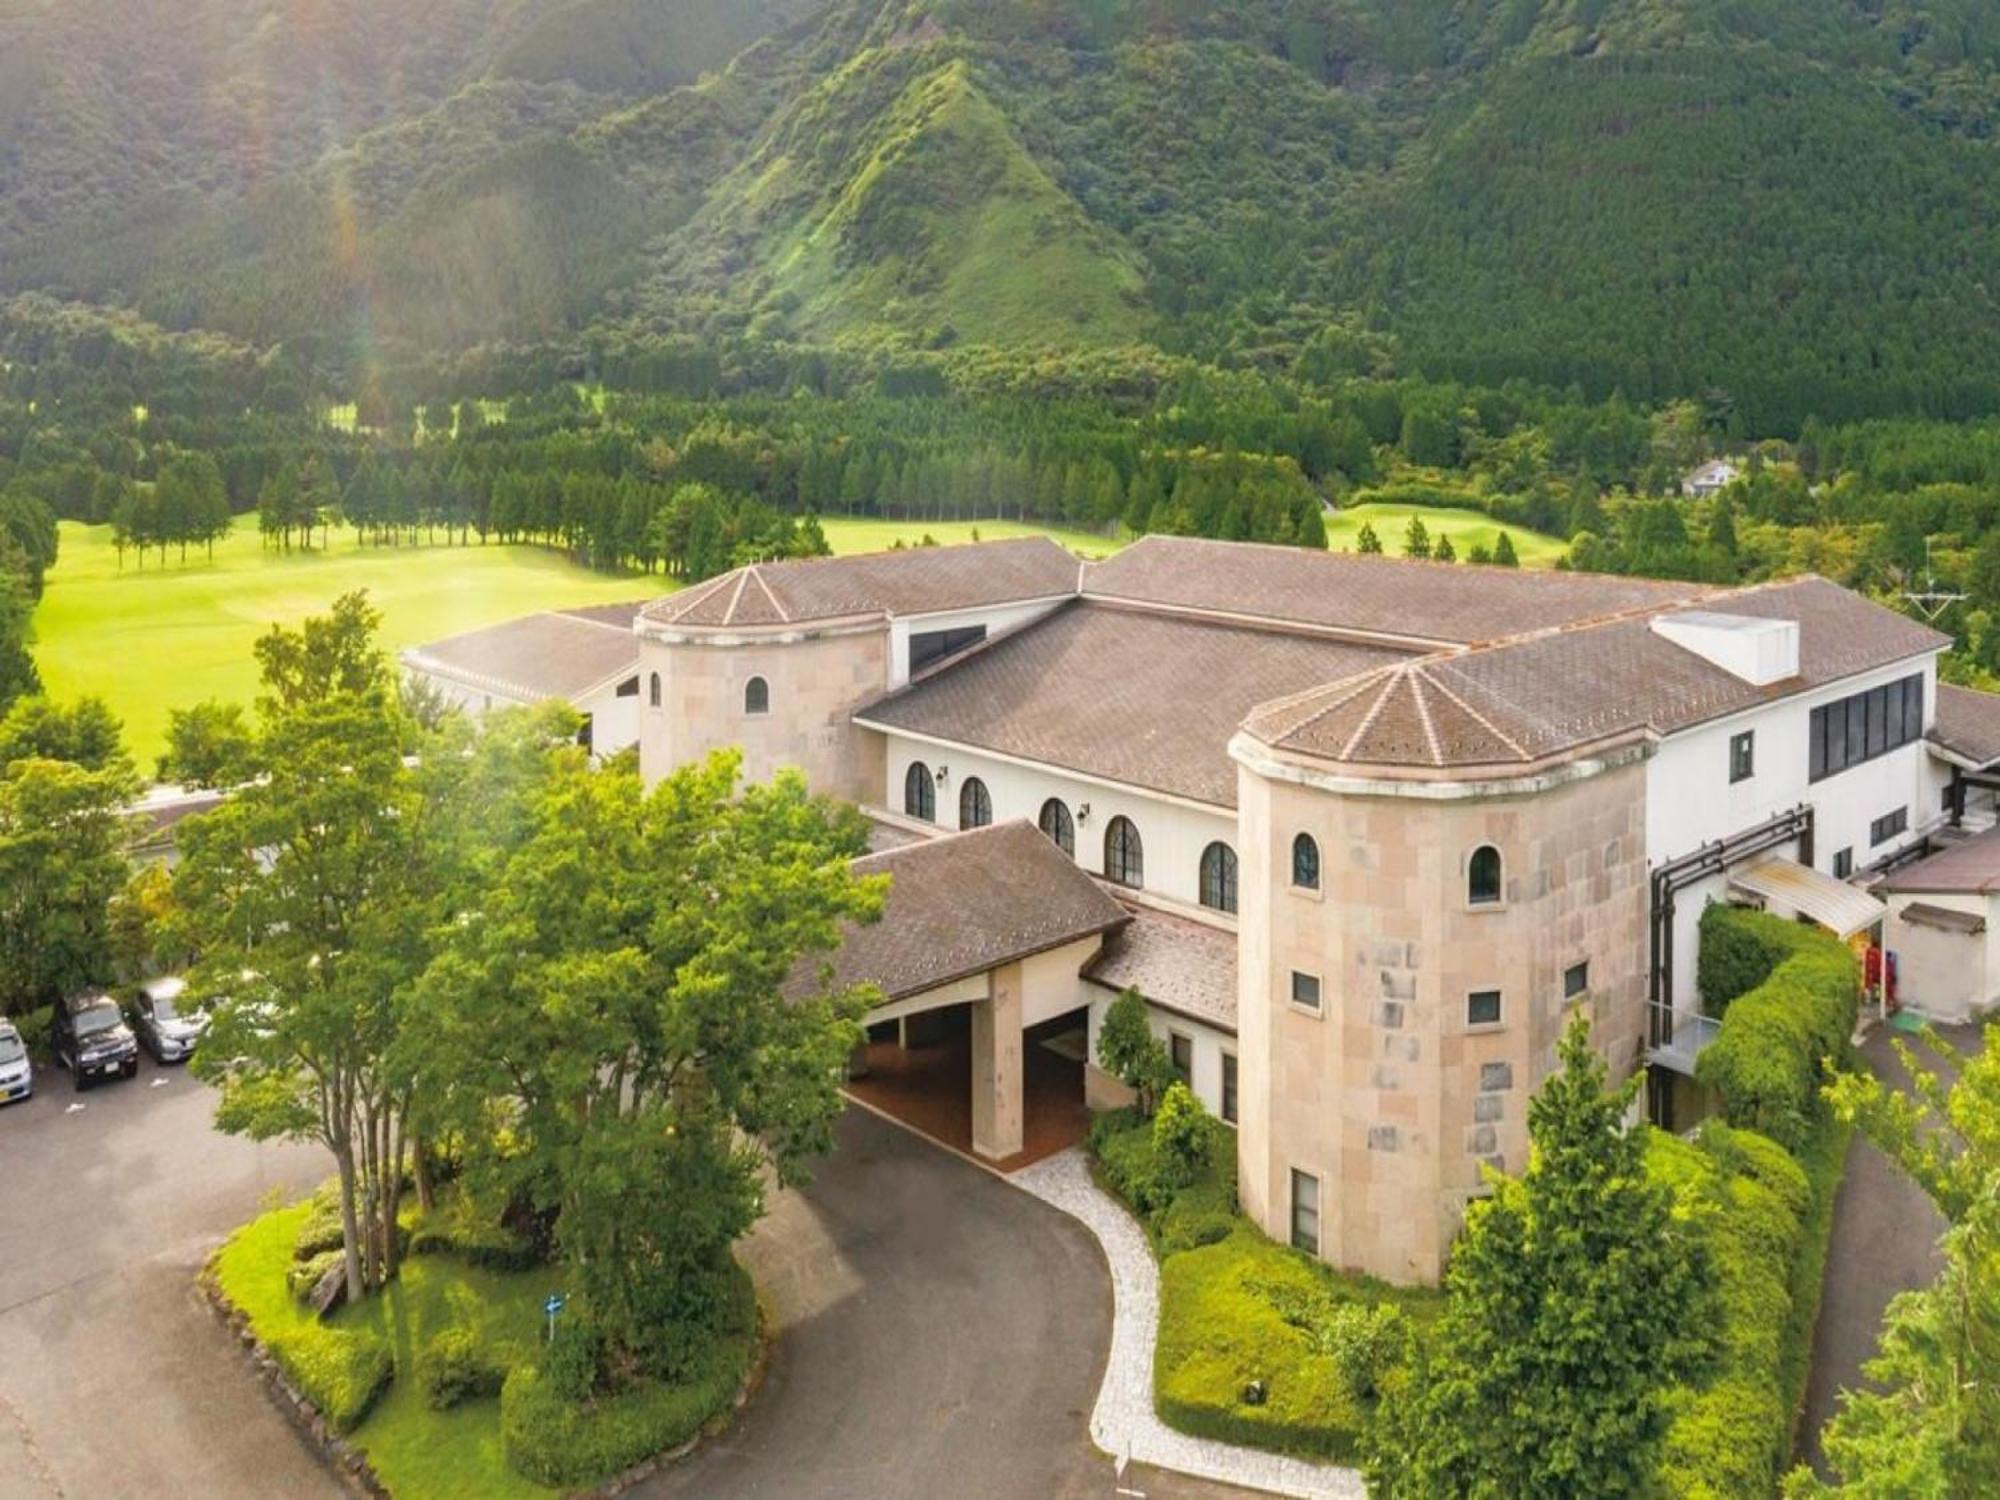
[[115, 1379], [940, 1333], [1884, 1241]]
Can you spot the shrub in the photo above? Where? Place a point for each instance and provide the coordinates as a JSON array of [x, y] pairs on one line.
[[1131, 1166], [561, 1442], [1768, 1062], [35, 1026], [459, 1226], [453, 1366], [1181, 1133], [301, 1276], [320, 1230], [1244, 1313], [1204, 1214], [1128, 1050], [342, 1371], [574, 1362], [1739, 949]]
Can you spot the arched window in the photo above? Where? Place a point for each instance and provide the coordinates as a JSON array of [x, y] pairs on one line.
[[1305, 862], [1124, 855], [756, 696], [975, 807], [919, 792], [1482, 878], [1058, 825], [1218, 877], [653, 690]]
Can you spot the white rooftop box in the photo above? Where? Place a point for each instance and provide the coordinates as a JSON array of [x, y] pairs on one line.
[[1758, 651]]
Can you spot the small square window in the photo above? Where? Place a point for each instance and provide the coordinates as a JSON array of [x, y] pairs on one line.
[[1482, 1008], [1305, 990], [1181, 1049], [1305, 1211], [1889, 826], [1743, 756], [1843, 864], [1576, 979], [1229, 1088]]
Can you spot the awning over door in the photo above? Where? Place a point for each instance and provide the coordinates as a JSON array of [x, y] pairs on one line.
[[1834, 904]]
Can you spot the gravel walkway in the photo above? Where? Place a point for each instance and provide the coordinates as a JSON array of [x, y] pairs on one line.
[[1123, 1422]]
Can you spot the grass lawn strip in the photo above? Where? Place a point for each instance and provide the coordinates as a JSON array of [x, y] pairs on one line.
[[1466, 528]]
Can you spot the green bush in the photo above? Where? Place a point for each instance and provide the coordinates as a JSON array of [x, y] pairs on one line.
[[560, 1442], [301, 1276], [1131, 1166], [342, 1371], [574, 1361], [1731, 1433], [1245, 1310], [1181, 1133], [34, 1027], [453, 1366], [320, 1230], [1204, 1214], [459, 1226], [1768, 1062], [1739, 949]]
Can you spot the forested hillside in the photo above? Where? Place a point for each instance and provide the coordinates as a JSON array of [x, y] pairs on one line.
[[1786, 208]]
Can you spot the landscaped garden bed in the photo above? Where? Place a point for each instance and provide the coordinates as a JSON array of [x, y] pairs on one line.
[[436, 1381]]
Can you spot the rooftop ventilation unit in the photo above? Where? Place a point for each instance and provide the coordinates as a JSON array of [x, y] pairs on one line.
[[1758, 651]]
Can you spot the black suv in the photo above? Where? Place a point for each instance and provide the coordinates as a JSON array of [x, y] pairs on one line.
[[91, 1039]]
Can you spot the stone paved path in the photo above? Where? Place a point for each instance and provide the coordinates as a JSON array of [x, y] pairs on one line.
[[1123, 1422]]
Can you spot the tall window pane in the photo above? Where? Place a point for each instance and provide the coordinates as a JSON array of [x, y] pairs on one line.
[[1059, 826], [975, 805], [1124, 856], [919, 792], [1483, 876], [1305, 863], [1218, 877]]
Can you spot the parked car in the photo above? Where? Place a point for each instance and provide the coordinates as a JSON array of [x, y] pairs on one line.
[[17, 1074], [167, 1026], [91, 1039]]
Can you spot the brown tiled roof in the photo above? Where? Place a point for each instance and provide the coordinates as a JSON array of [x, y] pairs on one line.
[[1524, 701], [619, 616], [535, 658], [1968, 724], [1968, 868], [961, 905], [1422, 601], [1185, 967], [912, 581], [1143, 699]]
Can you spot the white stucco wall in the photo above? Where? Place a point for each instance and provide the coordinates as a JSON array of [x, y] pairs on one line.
[[1172, 833], [1946, 976], [1209, 1047], [997, 619], [1690, 801]]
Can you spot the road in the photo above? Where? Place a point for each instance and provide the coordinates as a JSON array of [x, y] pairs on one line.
[[940, 1332], [115, 1378], [1884, 1241]]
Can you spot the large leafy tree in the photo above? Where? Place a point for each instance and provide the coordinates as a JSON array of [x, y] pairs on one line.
[[630, 1026], [306, 897], [1575, 1298], [1928, 1427], [62, 860]]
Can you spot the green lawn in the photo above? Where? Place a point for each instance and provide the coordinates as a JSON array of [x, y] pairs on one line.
[[847, 534], [425, 1454], [149, 640], [1466, 528]]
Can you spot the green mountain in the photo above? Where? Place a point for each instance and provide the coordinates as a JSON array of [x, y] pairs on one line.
[[1788, 206]]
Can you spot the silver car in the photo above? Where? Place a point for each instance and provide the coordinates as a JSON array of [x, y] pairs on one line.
[[166, 1025], [17, 1074]]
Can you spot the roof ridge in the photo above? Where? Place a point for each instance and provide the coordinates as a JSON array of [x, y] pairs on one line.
[[689, 598], [1477, 717], [742, 582], [764, 584], [1357, 685], [1424, 718], [1395, 675]]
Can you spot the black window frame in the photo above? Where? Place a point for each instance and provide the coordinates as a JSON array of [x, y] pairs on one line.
[[975, 804], [1303, 982], [1218, 878], [1063, 834], [1576, 980], [757, 697], [1742, 756], [653, 691], [1843, 863], [1891, 825], [1864, 726], [919, 801], [1177, 1043], [1474, 886], [1230, 1089], [1474, 998], [1299, 1240], [1305, 862], [1128, 867]]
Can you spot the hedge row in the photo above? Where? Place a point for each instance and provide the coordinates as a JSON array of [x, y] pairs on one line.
[[1178, 1216], [458, 1226], [565, 1443], [1769, 1060]]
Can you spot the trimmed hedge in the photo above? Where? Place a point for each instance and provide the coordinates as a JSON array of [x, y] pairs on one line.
[[453, 1366], [1768, 1062], [320, 1230], [566, 1443], [342, 1371]]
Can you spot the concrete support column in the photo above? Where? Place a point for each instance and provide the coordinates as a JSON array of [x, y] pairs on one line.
[[997, 1110]]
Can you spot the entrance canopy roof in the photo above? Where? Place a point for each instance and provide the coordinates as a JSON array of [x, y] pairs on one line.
[[1834, 904]]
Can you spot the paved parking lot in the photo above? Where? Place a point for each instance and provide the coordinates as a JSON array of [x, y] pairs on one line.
[[115, 1379]]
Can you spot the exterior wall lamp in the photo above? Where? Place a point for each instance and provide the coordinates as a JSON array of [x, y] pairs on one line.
[[942, 773], [1083, 812]]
